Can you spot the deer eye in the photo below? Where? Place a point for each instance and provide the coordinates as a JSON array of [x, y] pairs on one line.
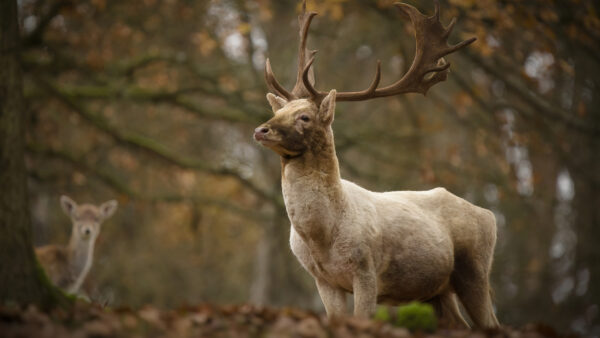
[[304, 118]]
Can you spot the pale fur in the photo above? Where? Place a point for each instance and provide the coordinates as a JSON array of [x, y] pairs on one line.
[[68, 266], [389, 247]]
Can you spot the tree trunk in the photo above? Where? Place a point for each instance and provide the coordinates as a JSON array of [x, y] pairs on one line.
[[22, 281]]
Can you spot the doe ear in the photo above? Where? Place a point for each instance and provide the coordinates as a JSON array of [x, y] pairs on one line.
[[276, 102], [107, 209], [327, 108], [68, 205]]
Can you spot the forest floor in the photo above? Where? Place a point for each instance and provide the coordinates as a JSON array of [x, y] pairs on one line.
[[86, 320]]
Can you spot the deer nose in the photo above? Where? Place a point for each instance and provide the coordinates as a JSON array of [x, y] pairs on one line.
[[260, 132], [87, 231]]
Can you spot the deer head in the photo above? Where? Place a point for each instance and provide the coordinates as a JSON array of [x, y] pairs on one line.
[[303, 116], [87, 218]]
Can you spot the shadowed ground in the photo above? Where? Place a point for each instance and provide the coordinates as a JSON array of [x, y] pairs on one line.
[[215, 321]]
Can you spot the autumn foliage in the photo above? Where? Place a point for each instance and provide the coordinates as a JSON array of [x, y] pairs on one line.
[[153, 103]]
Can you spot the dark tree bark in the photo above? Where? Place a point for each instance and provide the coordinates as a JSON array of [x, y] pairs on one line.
[[22, 281]]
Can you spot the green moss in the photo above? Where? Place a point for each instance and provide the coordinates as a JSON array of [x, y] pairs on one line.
[[417, 316], [42, 274], [53, 296], [382, 314]]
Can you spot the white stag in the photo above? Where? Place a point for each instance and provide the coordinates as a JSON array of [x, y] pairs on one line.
[[388, 247]]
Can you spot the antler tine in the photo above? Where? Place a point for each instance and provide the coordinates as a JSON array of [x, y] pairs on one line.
[[318, 96], [449, 28], [315, 94], [363, 94], [272, 83], [460, 45]]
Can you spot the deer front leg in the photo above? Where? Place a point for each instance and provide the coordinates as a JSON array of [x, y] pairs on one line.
[[333, 298], [364, 282], [365, 295]]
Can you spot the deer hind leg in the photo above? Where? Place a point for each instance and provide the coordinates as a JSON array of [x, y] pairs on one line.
[[446, 308], [470, 280]]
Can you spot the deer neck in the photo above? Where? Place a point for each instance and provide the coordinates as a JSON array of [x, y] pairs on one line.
[[80, 259], [313, 195]]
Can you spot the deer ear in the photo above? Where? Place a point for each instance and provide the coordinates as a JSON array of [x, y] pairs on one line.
[[107, 209], [327, 109], [276, 102], [68, 205]]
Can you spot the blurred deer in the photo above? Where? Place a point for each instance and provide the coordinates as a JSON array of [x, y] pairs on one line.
[[388, 247], [68, 266]]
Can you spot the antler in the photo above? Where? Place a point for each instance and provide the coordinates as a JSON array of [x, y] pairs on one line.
[[431, 40], [304, 20], [431, 47]]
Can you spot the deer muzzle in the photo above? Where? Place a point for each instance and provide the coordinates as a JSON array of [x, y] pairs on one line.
[[261, 132]]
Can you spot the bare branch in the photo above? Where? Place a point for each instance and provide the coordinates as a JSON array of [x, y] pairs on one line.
[[122, 188], [542, 105], [153, 147]]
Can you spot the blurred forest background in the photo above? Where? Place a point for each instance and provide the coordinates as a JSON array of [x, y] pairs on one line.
[[154, 103]]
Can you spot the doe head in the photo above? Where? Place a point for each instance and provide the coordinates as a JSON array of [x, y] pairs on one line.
[[87, 218], [299, 125]]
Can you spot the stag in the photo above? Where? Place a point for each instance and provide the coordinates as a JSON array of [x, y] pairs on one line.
[[383, 247]]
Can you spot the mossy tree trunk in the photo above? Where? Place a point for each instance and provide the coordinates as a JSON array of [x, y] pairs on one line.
[[22, 281]]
